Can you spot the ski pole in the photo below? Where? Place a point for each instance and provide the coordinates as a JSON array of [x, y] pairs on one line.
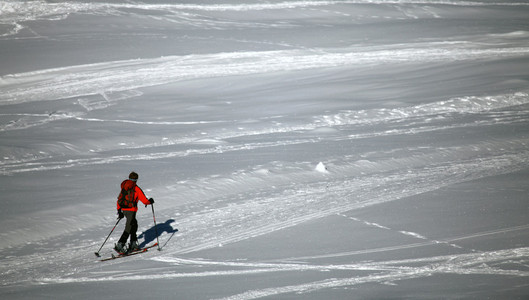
[[155, 229], [97, 253]]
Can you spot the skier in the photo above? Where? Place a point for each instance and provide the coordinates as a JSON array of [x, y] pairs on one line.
[[127, 205]]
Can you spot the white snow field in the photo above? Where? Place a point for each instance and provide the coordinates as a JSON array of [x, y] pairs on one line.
[[306, 149]]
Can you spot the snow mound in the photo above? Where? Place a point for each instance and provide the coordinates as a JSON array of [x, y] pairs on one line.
[[321, 168]]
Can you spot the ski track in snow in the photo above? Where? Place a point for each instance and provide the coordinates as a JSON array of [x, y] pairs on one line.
[[306, 201], [486, 263], [14, 13], [130, 75], [475, 264], [39, 9], [420, 119]]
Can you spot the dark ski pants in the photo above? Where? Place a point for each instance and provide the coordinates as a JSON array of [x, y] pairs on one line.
[[130, 228]]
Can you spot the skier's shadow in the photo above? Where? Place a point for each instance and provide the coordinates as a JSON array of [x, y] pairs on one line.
[[149, 235]]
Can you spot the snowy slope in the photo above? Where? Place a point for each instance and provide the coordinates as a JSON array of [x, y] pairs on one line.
[[295, 149]]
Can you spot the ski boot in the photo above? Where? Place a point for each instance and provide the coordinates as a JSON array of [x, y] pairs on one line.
[[120, 248], [133, 246]]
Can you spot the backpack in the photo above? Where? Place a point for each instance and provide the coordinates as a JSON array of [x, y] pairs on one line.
[[126, 196]]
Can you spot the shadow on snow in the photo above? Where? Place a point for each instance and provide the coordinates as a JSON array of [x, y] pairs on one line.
[[150, 234]]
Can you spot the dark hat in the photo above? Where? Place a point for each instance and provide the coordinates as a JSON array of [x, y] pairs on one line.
[[133, 176]]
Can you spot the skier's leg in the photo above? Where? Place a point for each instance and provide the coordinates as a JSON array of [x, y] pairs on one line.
[[133, 230], [120, 246], [133, 237], [131, 217], [124, 237]]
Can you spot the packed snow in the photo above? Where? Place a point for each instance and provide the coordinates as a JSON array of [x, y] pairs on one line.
[[354, 149]]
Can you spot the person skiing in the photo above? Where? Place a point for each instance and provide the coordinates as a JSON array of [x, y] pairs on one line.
[[127, 206]]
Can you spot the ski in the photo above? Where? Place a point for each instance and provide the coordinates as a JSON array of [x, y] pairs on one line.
[[139, 251]]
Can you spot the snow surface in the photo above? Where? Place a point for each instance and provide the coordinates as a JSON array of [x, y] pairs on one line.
[[355, 149]]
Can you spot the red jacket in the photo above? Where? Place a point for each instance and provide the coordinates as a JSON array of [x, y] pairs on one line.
[[137, 195]]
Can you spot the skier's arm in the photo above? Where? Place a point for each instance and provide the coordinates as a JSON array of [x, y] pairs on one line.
[[141, 196]]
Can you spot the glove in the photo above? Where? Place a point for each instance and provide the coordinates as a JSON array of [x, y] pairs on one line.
[[151, 200], [120, 214]]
